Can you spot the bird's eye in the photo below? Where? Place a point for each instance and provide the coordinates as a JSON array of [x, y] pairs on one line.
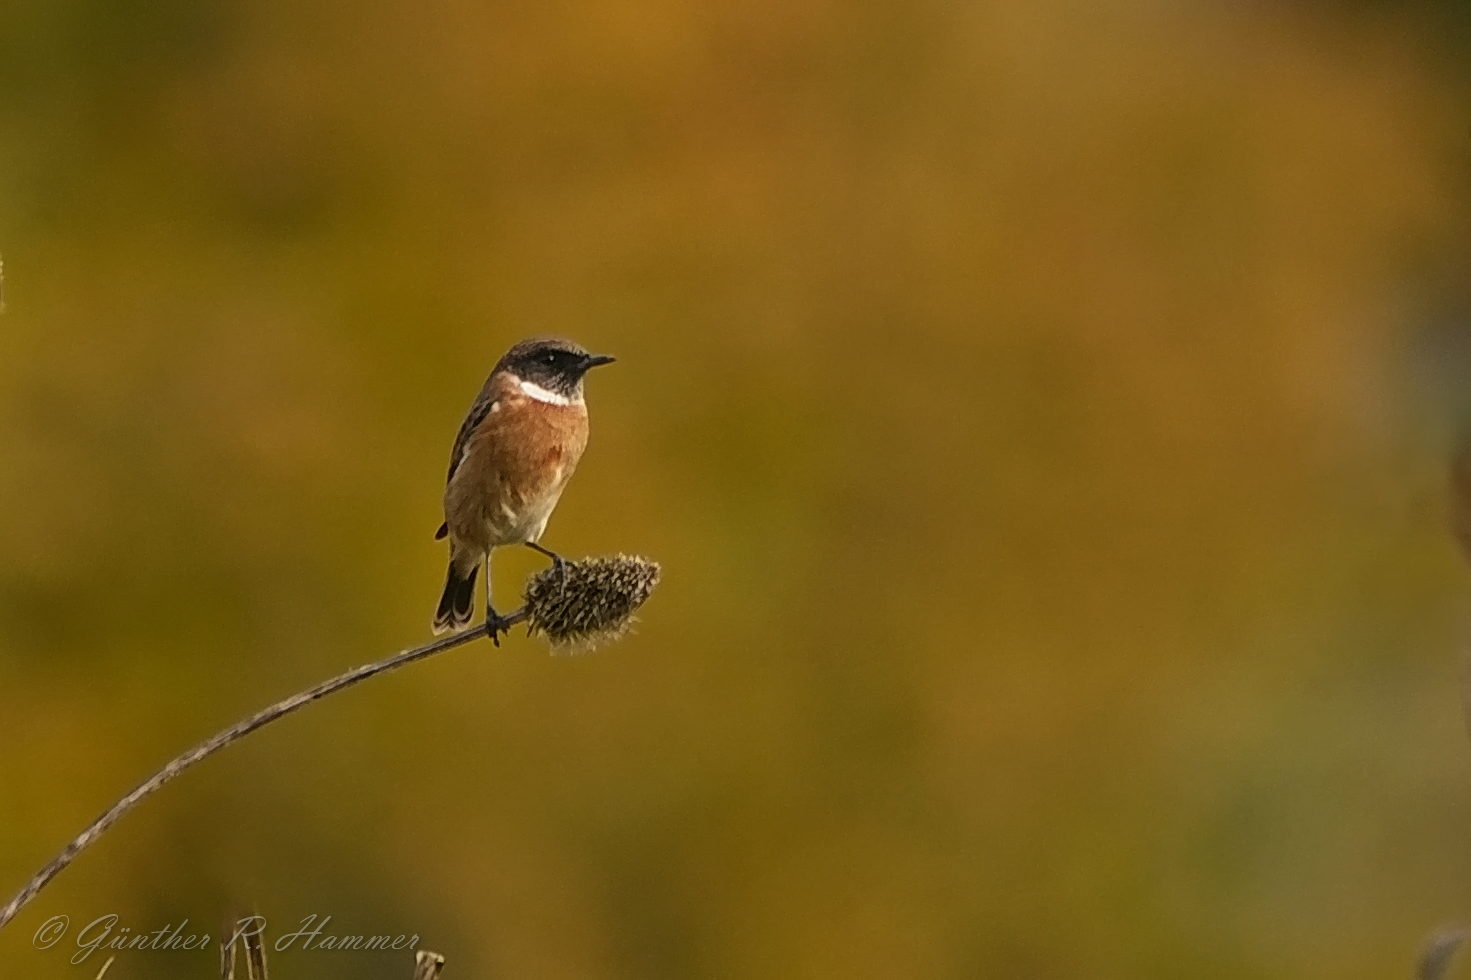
[[550, 357]]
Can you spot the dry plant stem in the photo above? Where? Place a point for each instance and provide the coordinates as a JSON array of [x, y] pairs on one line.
[[211, 746]]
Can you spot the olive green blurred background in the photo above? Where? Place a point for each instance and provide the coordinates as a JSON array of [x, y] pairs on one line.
[[1039, 410]]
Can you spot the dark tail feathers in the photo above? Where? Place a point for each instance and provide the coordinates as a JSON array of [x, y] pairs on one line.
[[458, 601]]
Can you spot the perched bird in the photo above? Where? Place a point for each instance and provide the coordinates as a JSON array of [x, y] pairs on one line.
[[510, 463]]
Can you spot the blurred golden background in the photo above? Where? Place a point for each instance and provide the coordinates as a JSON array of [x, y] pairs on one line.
[[1039, 410]]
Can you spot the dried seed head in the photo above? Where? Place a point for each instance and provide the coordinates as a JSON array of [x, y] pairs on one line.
[[590, 601]]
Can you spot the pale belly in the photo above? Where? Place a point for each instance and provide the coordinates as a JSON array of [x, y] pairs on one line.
[[519, 521]]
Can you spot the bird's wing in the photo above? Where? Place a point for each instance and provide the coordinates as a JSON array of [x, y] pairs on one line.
[[478, 412]]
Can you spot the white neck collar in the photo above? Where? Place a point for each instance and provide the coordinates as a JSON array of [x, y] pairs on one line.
[[533, 390]]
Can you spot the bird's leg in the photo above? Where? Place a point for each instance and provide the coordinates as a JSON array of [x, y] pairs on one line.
[[558, 562], [495, 623]]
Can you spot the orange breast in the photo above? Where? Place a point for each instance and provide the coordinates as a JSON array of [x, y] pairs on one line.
[[532, 447], [515, 466]]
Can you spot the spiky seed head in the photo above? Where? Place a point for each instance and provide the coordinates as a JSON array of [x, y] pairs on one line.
[[590, 601]]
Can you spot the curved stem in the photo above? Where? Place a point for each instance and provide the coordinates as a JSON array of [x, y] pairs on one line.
[[212, 745]]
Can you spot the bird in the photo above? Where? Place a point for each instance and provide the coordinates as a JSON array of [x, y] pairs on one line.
[[512, 458]]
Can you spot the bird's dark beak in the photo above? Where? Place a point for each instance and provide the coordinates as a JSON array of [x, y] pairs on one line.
[[593, 360]]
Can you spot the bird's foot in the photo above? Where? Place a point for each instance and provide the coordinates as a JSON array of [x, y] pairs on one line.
[[495, 625], [558, 562]]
